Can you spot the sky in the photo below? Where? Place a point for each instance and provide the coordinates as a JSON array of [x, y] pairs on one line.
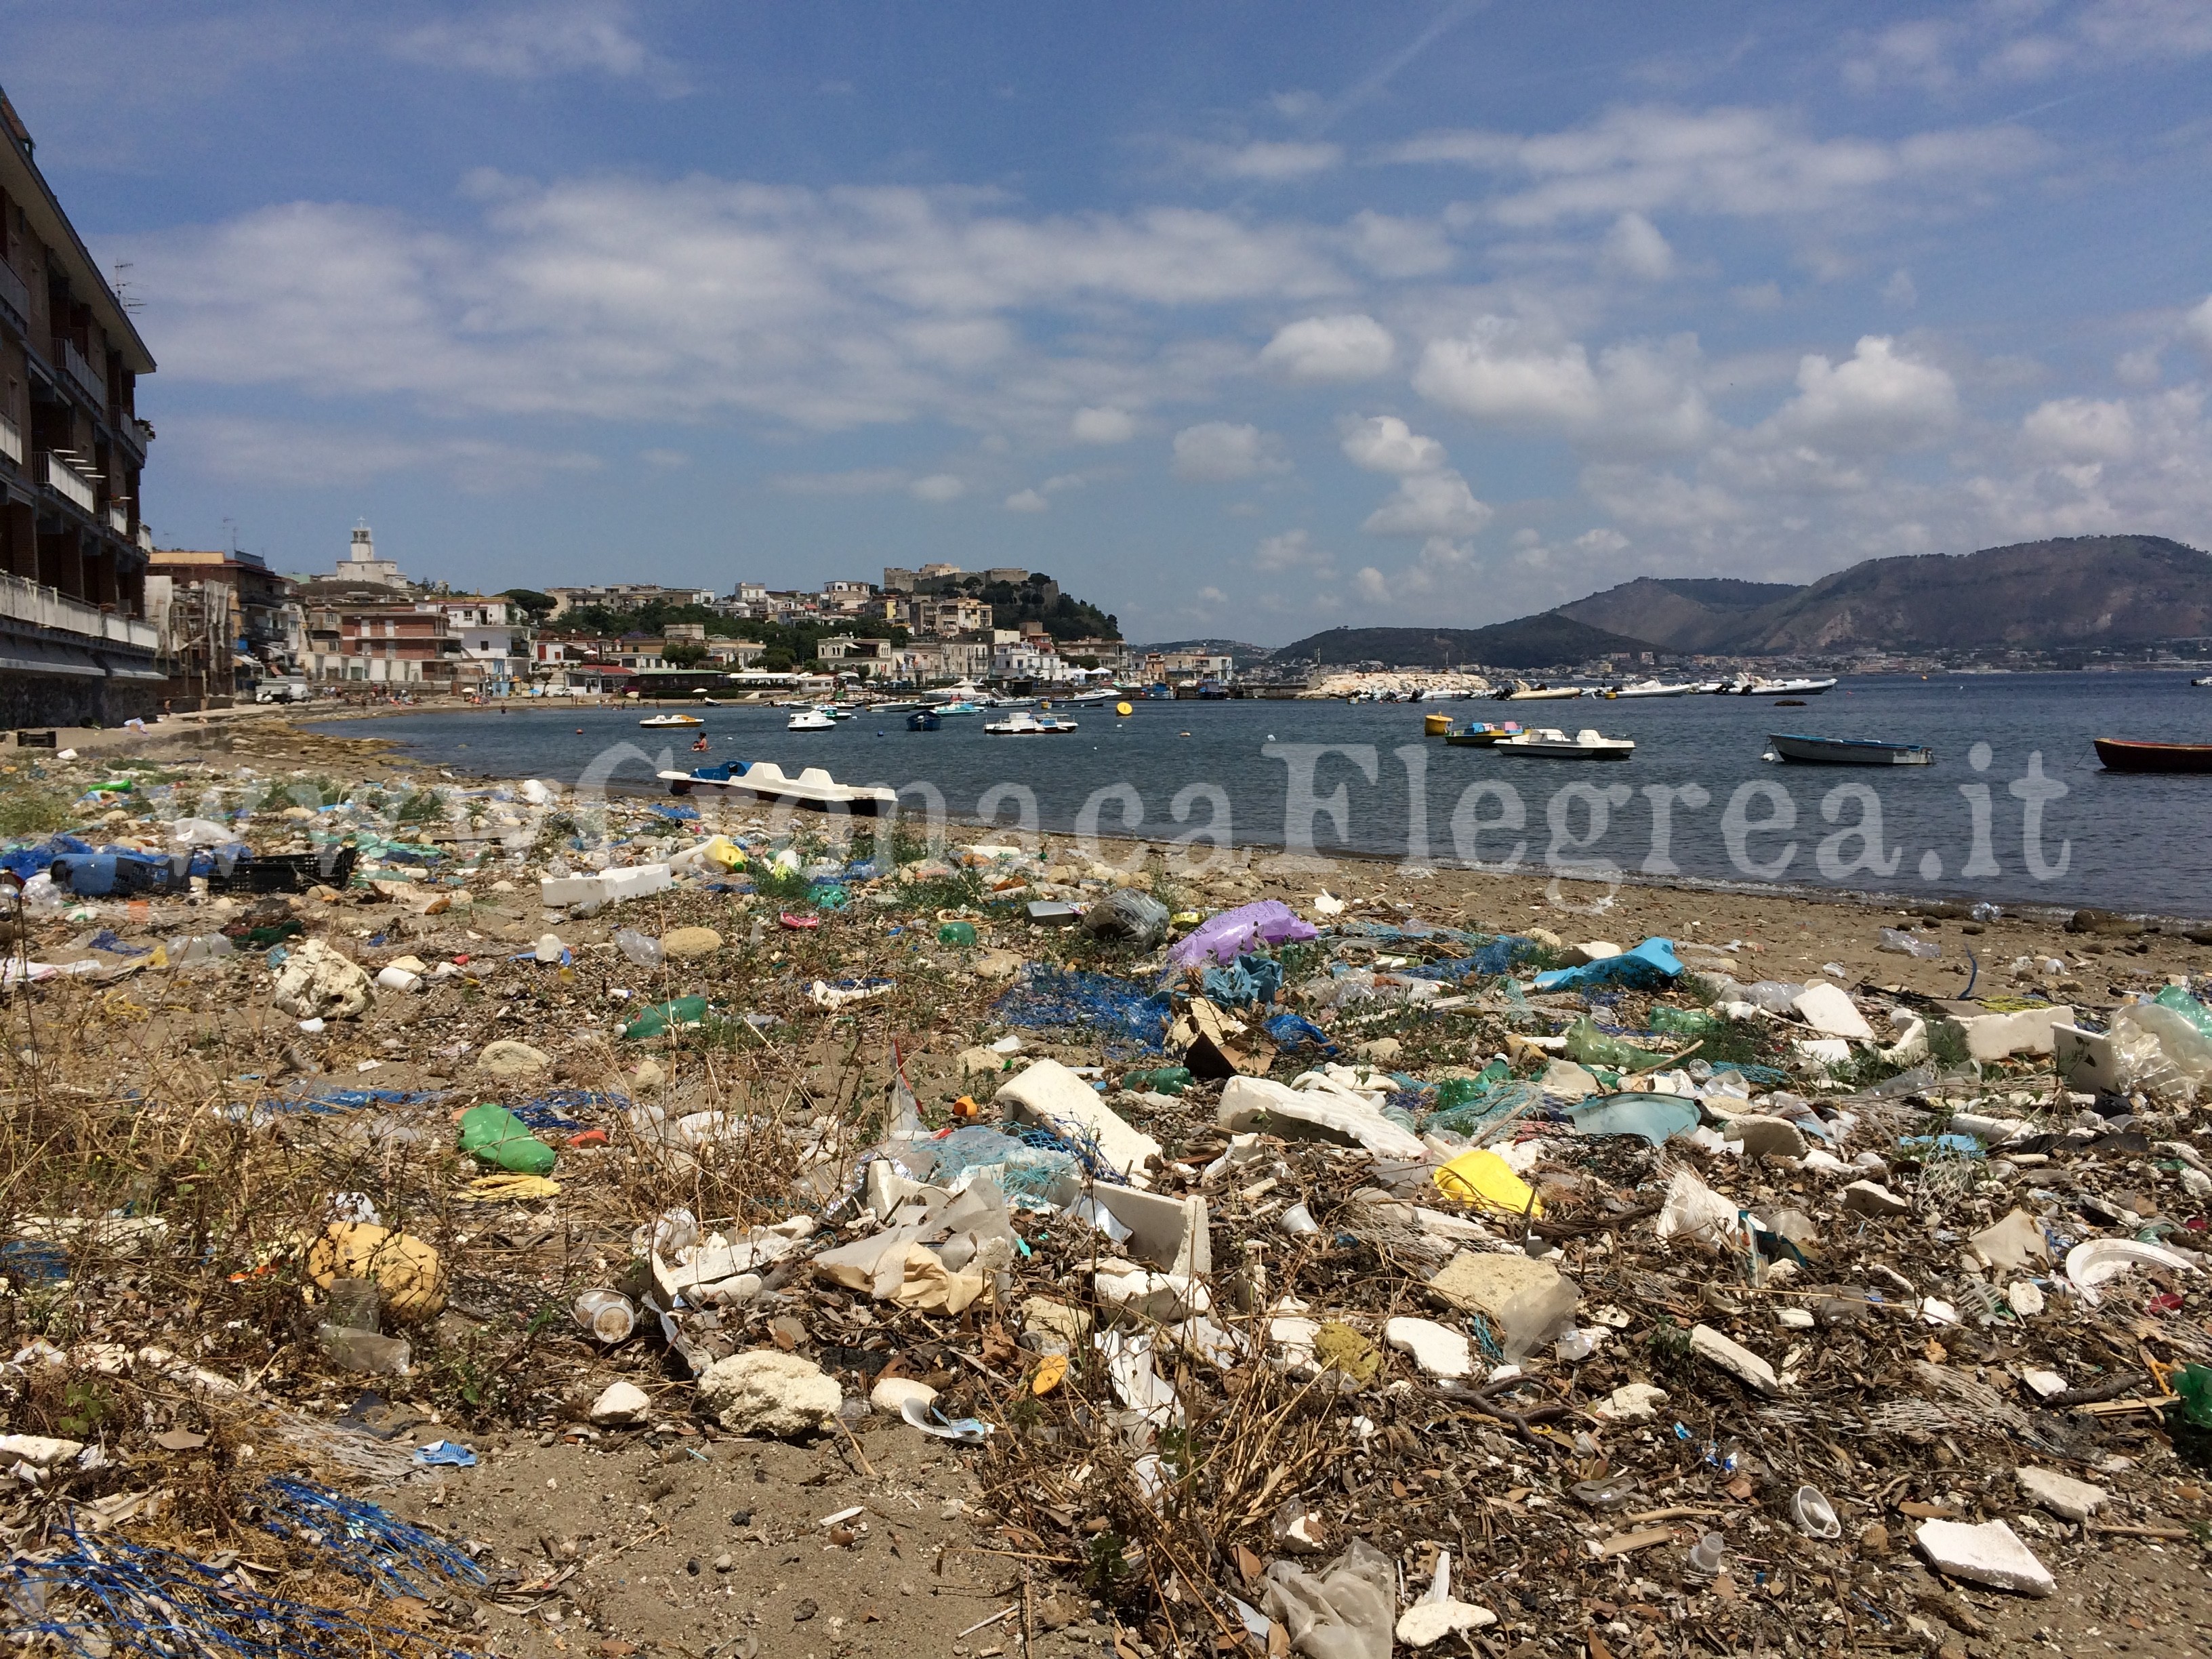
[[1239, 321]]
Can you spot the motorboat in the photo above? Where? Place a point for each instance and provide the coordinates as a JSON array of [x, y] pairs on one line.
[[835, 711], [1540, 694], [962, 706], [1023, 724], [1549, 743], [810, 720], [1798, 688], [1848, 751], [2128, 755], [1085, 699], [664, 722], [923, 720], [765, 781], [1648, 689], [1482, 734]]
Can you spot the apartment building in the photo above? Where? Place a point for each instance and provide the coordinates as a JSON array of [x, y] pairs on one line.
[[492, 634], [270, 630], [367, 643], [624, 596], [75, 642], [944, 617]]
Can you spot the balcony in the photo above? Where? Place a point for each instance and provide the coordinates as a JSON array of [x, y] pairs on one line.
[[134, 434], [74, 365], [118, 520], [13, 294], [11, 438], [65, 482], [25, 601]]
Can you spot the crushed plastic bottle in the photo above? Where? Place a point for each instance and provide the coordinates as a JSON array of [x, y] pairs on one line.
[[1899, 943], [642, 952], [656, 1019], [352, 1350]]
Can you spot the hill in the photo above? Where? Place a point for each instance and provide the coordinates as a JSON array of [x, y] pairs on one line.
[[1239, 651], [1681, 613], [1538, 641]]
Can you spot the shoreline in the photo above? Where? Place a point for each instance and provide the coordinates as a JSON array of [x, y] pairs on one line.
[[1952, 903]]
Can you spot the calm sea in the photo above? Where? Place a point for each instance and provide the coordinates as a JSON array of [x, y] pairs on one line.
[[2016, 808]]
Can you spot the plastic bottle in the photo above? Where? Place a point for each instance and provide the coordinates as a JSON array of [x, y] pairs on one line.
[[643, 952], [1705, 1555], [609, 1315], [959, 935], [654, 1019], [352, 1350], [354, 1303]]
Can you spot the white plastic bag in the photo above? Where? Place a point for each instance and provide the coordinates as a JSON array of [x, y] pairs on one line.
[[1342, 1613], [1694, 1211]]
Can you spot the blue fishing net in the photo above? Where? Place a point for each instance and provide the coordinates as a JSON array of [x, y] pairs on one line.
[[552, 1111], [1125, 1014], [1028, 1163], [1501, 953]]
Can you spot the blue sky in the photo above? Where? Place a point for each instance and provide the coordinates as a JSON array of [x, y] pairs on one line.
[[1239, 319]]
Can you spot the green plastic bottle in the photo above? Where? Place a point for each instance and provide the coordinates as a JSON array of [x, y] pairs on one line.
[[654, 1018], [492, 1134], [960, 934]]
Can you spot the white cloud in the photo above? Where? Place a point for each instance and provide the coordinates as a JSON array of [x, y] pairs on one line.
[[1222, 452], [1398, 248], [1330, 351], [2197, 325], [1635, 398], [937, 488], [2033, 41], [1877, 399], [1028, 500], [1212, 595], [2080, 429], [1101, 426], [1602, 541], [530, 43], [1733, 162], [1268, 161], [1429, 504], [1441, 566], [1900, 289], [1291, 550], [237, 450], [861, 481], [1635, 245], [1383, 443], [663, 460]]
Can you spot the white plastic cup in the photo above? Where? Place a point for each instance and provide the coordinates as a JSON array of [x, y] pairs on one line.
[[1705, 1555], [609, 1315]]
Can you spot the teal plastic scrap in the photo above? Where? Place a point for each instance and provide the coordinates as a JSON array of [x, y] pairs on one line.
[[1657, 1119], [1649, 966]]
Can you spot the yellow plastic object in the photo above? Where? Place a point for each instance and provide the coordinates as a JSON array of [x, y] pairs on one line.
[[1482, 1177], [1051, 1371], [510, 1188], [1123, 710], [722, 854], [409, 1271]]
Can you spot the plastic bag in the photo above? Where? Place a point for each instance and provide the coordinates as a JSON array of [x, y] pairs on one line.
[[1342, 1613], [1592, 1047], [1127, 914], [1899, 943], [492, 1134], [1233, 933], [1694, 1211], [2158, 1050]]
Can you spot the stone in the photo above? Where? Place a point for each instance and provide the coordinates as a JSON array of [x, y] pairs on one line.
[[1709, 1346], [2063, 1495], [1382, 1051], [509, 1059], [648, 1075], [977, 1062], [767, 1391], [1595, 949], [1829, 1010], [1487, 1282], [319, 983], [1437, 1350], [1565, 1080], [684, 944], [1988, 1554], [1871, 1198], [1054, 1326], [621, 1405], [1766, 1137], [1632, 1402]]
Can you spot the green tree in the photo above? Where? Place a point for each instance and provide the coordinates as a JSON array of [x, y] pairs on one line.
[[539, 605], [682, 654]]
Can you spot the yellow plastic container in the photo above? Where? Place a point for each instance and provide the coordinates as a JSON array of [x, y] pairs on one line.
[[722, 855], [1482, 1177]]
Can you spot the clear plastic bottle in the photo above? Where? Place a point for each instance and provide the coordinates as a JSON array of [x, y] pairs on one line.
[[609, 1315], [352, 1350], [643, 952]]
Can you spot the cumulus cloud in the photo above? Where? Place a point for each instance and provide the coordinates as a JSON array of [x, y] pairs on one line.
[[937, 488], [1877, 399], [1429, 504], [1291, 550], [1383, 443], [2197, 325], [1634, 245], [1268, 161], [1634, 397], [1028, 500], [236, 450], [2031, 42], [1751, 163], [530, 43], [1101, 426], [1222, 452], [1330, 351], [2080, 429]]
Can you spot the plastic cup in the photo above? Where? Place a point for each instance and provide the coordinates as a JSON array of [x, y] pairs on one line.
[[608, 1315]]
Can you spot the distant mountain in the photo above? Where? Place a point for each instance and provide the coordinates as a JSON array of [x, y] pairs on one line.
[[1245, 654], [1681, 613], [1538, 641]]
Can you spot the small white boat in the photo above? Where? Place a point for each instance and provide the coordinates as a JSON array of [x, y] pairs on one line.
[[962, 706], [1648, 688], [1541, 694], [764, 779], [661, 722], [1800, 688], [810, 720], [1549, 743], [1023, 724]]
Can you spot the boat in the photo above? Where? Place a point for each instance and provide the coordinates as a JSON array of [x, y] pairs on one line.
[[1434, 726], [1023, 724], [1085, 699], [1648, 688], [810, 720], [1549, 743], [766, 780], [923, 720], [1482, 734], [1539, 694], [662, 722], [1848, 751], [835, 711], [2128, 755], [962, 707], [2207, 680], [1797, 688]]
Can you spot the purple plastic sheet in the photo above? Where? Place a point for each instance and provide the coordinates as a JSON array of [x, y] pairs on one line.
[[1230, 934]]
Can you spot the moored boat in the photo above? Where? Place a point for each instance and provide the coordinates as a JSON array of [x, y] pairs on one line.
[[810, 720], [2128, 755], [1848, 751], [1648, 689], [813, 787], [662, 722], [1482, 734], [923, 720], [1549, 743], [1023, 724]]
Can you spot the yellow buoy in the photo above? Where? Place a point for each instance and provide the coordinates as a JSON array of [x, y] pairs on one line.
[[1123, 709]]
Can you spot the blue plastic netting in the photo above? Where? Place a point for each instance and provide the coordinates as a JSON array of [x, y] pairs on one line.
[[1029, 1162], [1125, 1014]]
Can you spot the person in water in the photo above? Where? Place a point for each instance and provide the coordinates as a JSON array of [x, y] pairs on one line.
[[699, 744]]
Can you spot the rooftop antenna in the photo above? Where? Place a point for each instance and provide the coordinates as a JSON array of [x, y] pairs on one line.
[[231, 524], [121, 284]]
